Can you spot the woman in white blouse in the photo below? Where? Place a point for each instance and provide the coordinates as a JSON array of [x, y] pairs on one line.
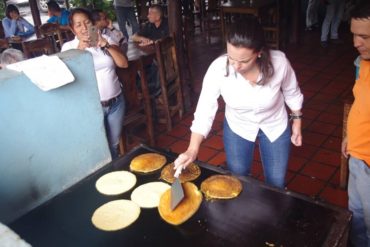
[[255, 84], [106, 56]]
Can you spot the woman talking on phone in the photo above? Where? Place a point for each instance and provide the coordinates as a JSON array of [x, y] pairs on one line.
[[106, 56], [255, 84]]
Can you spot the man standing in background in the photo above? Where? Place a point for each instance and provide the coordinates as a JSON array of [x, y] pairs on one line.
[[312, 13], [125, 12], [332, 20]]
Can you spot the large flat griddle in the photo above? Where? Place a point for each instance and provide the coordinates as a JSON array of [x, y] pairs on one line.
[[261, 215]]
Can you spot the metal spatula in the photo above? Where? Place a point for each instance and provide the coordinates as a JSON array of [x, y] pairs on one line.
[[177, 192]]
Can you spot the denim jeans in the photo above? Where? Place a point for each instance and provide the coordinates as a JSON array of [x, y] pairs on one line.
[[359, 202], [126, 14], [113, 122], [312, 13], [333, 18], [274, 155]]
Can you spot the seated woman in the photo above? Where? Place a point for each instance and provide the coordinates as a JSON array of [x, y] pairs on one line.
[[106, 56], [15, 25]]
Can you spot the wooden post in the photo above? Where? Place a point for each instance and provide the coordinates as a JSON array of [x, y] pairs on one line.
[[35, 15], [175, 26]]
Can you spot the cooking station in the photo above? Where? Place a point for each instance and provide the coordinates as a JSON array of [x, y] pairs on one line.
[[259, 216]]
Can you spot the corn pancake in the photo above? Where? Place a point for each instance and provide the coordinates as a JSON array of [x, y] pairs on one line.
[[115, 183], [148, 195], [185, 209], [221, 187], [191, 173], [148, 162], [115, 215]]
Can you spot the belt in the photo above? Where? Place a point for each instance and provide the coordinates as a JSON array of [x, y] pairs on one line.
[[110, 102]]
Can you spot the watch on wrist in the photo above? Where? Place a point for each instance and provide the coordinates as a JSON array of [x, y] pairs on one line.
[[107, 46], [293, 116]]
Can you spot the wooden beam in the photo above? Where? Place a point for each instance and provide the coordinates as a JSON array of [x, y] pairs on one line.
[[35, 15]]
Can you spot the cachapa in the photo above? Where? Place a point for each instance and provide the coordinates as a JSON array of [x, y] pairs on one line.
[[148, 162], [148, 195], [191, 172], [115, 215], [115, 183], [185, 209], [221, 187]]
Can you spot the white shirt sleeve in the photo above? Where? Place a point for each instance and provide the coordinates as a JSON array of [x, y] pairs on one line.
[[207, 103], [292, 93]]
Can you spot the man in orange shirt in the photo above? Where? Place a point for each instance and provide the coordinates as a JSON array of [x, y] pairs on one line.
[[357, 143]]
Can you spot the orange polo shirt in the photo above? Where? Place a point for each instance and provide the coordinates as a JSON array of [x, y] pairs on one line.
[[358, 123]]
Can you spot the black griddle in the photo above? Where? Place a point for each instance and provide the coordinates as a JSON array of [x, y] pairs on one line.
[[259, 216]]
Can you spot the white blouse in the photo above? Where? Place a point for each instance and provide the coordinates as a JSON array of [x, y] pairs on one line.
[[105, 69], [248, 108]]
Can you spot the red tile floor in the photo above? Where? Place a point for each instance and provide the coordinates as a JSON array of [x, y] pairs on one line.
[[326, 77]]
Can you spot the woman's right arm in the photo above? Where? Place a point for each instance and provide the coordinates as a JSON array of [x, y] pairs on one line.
[[204, 115], [10, 27], [191, 152]]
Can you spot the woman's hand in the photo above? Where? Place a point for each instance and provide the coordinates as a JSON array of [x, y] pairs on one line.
[[84, 43], [297, 132], [102, 42], [145, 42], [185, 159]]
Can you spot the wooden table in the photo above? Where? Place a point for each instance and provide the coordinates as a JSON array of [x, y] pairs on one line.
[[252, 7]]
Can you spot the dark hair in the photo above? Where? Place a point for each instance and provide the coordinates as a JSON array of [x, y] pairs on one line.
[[361, 10], [53, 6], [11, 8], [248, 33], [158, 8], [79, 11], [95, 14]]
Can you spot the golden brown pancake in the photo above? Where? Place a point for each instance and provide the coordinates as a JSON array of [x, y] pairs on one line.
[[185, 209], [148, 162], [115, 183], [115, 215], [221, 187], [148, 195], [191, 173]]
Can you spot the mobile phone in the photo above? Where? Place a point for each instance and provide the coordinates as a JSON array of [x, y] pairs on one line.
[[93, 35]]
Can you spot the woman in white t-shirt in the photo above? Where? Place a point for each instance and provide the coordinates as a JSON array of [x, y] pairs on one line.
[[106, 56], [255, 84]]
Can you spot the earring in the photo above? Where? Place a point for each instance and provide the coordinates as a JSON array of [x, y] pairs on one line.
[[259, 55]]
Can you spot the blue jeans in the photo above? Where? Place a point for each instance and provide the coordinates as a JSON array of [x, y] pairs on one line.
[[359, 202], [333, 18], [113, 122], [126, 14], [274, 155]]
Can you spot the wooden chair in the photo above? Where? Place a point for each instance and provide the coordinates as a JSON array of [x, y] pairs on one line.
[[138, 106], [38, 47], [270, 20], [343, 179], [52, 31], [4, 44], [2, 34], [170, 101], [212, 19]]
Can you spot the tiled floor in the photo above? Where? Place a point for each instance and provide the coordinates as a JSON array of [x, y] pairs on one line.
[[326, 77]]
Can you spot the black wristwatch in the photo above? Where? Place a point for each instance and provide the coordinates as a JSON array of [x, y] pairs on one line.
[[107, 46]]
